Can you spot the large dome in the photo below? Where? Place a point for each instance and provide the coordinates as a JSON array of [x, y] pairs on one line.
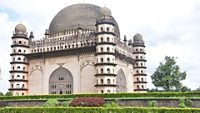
[[75, 16]]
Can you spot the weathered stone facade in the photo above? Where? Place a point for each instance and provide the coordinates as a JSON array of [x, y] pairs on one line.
[[81, 52]]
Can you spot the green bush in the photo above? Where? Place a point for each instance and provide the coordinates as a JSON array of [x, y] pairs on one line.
[[96, 110], [181, 103], [87, 102], [152, 103], [113, 104], [9, 93], [188, 102], [51, 103], [116, 95]]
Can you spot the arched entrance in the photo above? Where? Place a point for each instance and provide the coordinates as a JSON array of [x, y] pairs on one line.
[[121, 81], [61, 82]]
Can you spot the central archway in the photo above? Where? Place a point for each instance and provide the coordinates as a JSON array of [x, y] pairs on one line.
[[61, 82]]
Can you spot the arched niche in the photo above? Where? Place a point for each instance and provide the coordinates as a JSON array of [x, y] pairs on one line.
[[121, 81]]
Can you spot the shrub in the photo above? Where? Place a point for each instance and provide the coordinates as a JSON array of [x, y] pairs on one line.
[[96, 110], [152, 103], [181, 103], [9, 94], [87, 102], [51, 103], [1, 94], [113, 104], [188, 102]]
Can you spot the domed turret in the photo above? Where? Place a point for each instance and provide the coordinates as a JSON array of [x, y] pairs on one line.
[[20, 28], [104, 11], [138, 37]]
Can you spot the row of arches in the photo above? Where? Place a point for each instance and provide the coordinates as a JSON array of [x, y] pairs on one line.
[[19, 51], [63, 46], [107, 49], [20, 42], [18, 77], [106, 60], [19, 68], [18, 86], [108, 39], [19, 59]]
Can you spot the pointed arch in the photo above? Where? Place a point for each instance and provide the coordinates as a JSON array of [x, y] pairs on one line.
[[61, 81], [121, 81]]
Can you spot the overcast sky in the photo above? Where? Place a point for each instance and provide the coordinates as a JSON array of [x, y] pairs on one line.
[[169, 27]]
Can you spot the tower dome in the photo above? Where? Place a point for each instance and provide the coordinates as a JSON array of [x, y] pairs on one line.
[[78, 15], [138, 37], [20, 28], [105, 11]]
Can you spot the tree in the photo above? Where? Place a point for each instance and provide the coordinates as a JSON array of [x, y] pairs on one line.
[[185, 89], [1, 94], [9, 93], [168, 75]]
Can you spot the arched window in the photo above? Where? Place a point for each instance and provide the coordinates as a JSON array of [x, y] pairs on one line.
[[101, 60], [23, 77], [24, 59], [101, 29], [101, 70], [101, 91], [101, 81], [13, 76], [136, 50], [142, 79], [101, 49], [17, 86], [23, 68], [20, 42], [137, 71], [19, 50], [141, 64], [141, 71], [142, 87], [108, 70], [13, 59], [108, 60], [141, 57], [13, 68], [108, 81], [136, 57], [108, 29], [18, 67], [22, 85], [108, 91], [108, 39], [138, 87], [137, 79], [108, 49], [18, 77], [11, 85], [101, 39], [19, 58]]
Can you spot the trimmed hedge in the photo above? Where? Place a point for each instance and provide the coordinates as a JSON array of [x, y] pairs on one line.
[[116, 95], [97, 110], [87, 102]]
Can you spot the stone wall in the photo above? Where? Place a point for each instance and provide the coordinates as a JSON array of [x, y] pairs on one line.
[[121, 102]]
